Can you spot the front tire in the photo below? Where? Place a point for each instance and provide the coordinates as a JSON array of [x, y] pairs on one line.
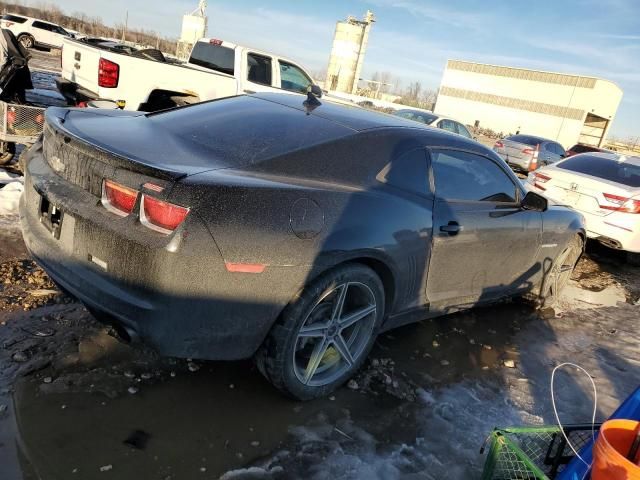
[[558, 276], [325, 334]]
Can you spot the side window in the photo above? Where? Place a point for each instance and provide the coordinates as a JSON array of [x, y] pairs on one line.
[[462, 130], [41, 25], [447, 125], [259, 69], [409, 172], [558, 149], [293, 79], [470, 177]]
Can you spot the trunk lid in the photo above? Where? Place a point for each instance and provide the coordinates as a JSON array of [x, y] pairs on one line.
[[84, 146], [583, 192], [517, 153]]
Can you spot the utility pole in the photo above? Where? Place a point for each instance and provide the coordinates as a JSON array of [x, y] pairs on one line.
[[126, 23]]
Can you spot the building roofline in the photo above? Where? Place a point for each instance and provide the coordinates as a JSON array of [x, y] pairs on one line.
[[536, 70]]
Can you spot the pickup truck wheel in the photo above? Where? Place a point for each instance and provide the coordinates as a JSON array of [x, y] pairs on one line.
[[560, 273], [26, 40], [325, 334], [7, 152]]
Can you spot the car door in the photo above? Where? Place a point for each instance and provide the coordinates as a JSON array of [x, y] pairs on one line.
[[58, 35], [42, 33], [292, 78], [259, 76], [484, 244]]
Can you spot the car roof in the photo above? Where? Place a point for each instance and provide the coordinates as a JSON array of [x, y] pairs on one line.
[[247, 125], [535, 137], [613, 156], [353, 117]]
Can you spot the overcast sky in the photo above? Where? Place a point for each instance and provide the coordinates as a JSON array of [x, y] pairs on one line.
[[413, 39]]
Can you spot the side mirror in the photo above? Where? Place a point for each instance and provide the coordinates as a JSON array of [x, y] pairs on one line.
[[535, 202], [316, 90]]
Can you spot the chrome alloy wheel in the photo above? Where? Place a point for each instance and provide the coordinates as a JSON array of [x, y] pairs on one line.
[[335, 334]]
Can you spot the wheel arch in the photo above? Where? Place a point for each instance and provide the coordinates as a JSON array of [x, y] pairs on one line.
[[381, 267]]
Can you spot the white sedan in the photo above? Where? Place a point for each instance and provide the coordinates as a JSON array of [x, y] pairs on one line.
[[605, 188]]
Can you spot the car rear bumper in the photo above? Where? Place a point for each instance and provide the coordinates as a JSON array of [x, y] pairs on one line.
[[176, 296], [614, 231], [515, 163], [73, 93]]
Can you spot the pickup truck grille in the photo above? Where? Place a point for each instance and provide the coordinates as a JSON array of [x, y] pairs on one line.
[[77, 163]]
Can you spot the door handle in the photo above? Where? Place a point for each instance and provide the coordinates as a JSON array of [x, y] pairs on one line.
[[249, 91], [452, 228]]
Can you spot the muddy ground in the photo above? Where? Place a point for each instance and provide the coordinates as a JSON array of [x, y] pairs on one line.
[[77, 403]]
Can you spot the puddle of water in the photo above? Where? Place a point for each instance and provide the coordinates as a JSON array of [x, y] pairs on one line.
[[197, 420]]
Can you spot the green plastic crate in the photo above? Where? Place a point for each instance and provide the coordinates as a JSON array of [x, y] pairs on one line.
[[532, 453]]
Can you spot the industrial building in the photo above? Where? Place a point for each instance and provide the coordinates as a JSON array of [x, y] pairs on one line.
[[567, 108], [347, 54]]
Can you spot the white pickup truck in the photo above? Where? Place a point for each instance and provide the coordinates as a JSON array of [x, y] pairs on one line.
[[144, 80]]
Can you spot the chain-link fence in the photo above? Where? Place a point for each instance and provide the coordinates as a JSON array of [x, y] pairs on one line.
[[532, 453]]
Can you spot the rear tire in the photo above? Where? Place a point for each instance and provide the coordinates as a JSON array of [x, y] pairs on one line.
[[325, 334], [560, 272], [26, 40]]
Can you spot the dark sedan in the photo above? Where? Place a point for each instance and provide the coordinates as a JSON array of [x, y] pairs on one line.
[[293, 232]]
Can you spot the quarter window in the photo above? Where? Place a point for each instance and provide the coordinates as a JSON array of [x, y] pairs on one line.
[[293, 79], [259, 69], [13, 18], [409, 172], [469, 177]]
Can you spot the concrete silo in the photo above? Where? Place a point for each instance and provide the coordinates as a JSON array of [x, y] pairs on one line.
[[347, 53], [194, 27]]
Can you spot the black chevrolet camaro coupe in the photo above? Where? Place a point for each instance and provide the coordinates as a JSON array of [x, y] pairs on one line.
[[281, 228]]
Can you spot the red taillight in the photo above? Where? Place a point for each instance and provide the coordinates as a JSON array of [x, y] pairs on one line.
[[117, 198], [161, 216], [528, 151], [81, 104], [622, 204], [108, 73], [499, 144], [540, 177]]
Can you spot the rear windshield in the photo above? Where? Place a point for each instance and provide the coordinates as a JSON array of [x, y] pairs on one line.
[[583, 148], [13, 18], [526, 139], [626, 172], [215, 57]]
